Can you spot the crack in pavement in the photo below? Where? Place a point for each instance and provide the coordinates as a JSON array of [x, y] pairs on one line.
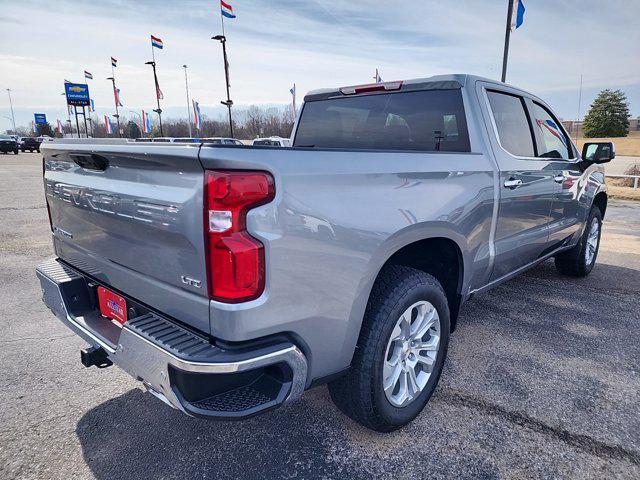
[[582, 442], [38, 207], [26, 339]]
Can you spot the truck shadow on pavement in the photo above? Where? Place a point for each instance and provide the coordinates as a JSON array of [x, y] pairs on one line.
[[136, 436]]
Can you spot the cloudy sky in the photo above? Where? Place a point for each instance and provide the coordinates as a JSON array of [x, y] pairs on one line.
[[314, 43]]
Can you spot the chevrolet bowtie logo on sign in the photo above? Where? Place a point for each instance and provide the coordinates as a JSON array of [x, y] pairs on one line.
[[77, 94]]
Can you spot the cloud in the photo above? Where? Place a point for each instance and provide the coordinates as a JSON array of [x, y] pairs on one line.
[[315, 43]]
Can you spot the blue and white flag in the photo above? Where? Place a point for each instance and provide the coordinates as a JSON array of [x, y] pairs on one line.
[[517, 15], [293, 94]]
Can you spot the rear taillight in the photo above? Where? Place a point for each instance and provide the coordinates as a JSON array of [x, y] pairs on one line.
[[236, 263]]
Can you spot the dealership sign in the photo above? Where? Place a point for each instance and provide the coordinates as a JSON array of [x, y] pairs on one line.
[[40, 118], [77, 94]]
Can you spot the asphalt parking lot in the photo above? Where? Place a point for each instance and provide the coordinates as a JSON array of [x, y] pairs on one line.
[[542, 380]]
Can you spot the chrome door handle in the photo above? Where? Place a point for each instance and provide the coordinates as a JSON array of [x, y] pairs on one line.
[[512, 183], [559, 178]]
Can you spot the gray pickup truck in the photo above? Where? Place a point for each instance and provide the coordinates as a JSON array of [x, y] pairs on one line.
[[229, 279]]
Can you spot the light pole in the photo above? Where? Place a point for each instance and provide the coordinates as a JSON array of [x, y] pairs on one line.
[[13, 118], [116, 99], [223, 40], [186, 85], [155, 78]]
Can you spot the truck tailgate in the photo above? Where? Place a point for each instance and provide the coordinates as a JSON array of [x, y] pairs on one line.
[[131, 215]]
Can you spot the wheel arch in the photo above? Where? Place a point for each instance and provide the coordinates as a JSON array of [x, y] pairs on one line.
[[403, 248], [600, 201]]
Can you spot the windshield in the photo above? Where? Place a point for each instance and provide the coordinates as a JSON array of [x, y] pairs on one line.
[[431, 120], [6, 137]]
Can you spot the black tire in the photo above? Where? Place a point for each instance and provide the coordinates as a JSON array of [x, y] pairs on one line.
[[15, 152], [359, 393], [574, 262]]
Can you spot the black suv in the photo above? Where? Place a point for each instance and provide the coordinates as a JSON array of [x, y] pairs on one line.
[[8, 144], [29, 143]]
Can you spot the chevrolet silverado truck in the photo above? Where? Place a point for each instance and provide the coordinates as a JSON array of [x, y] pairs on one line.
[[229, 279]]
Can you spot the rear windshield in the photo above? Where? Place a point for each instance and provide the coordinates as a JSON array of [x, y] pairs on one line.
[[431, 120]]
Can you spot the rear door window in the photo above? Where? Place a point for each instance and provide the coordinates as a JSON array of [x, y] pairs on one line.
[[551, 139], [514, 131], [431, 120]]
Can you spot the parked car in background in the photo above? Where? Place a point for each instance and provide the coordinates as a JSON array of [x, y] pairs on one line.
[[272, 142], [222, 141], [30, 143], [8, 144], [344, 259]]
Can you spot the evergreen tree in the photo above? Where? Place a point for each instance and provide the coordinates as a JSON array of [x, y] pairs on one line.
[[608, 115], [132, 130], [45, 129]]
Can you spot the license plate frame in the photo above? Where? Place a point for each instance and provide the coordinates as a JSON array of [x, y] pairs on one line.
[[112, 305]]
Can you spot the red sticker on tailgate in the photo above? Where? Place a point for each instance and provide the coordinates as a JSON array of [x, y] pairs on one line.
[[112, 305]]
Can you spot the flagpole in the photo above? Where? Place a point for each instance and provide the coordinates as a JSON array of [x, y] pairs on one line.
[[579, 104], [295, 113], [507, 37], [186, 84], [115, 97], [223, 40], [155, 78]]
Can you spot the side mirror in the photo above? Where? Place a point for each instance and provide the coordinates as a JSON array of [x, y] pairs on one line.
[[598, 152]]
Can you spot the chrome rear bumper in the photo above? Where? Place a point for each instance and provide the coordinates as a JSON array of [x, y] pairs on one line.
[[170, 360]]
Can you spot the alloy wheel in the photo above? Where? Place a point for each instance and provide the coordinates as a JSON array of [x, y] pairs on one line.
[[411, 353]]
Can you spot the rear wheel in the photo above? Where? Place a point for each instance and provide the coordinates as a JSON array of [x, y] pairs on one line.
[[580, 260], [400, 352]]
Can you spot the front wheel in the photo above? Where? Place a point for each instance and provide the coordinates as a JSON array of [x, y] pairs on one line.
[[400, 353], [580, 260]]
